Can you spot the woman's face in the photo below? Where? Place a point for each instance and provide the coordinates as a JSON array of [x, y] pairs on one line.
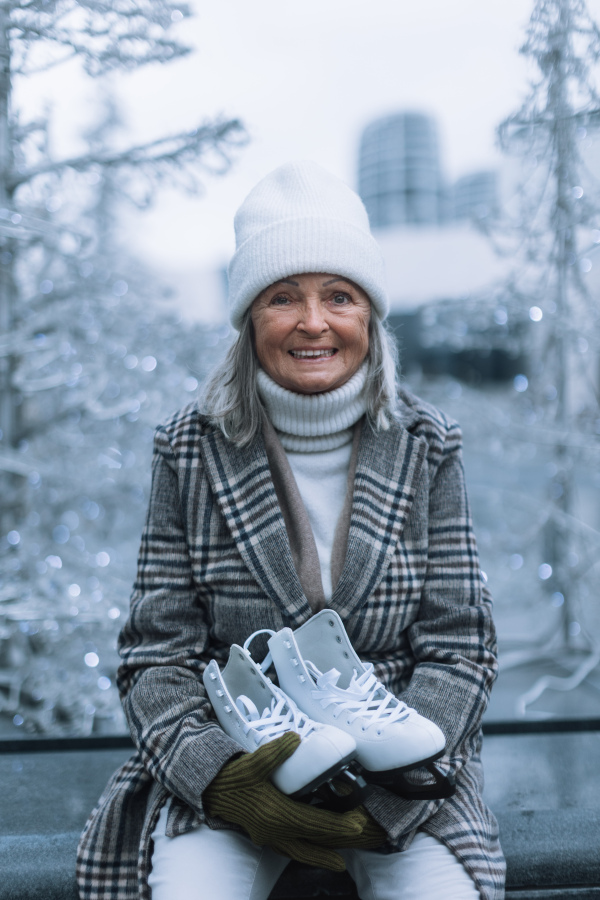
[[311, 331]]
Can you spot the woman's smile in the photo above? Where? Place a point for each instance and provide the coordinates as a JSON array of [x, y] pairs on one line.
[[313, 354]]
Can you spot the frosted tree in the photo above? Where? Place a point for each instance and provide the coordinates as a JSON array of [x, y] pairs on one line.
[[556, 215], [538, 444], [37, 35], [89, 364]]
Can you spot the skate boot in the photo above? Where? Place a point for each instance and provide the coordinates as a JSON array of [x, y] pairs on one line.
[[318, 668], [251, 709]]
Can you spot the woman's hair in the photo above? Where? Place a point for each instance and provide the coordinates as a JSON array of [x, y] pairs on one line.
[[232, 403]]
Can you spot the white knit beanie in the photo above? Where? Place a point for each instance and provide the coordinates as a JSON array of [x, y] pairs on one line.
[[300, 218]]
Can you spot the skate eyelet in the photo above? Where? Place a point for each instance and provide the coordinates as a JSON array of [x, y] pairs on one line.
[[301, 679], [347, 655], [287, 645], [331, 622], [227, 709], [338, 639], [363, 728], [379, 732], [294, 661], [220, 694], [212, 676]]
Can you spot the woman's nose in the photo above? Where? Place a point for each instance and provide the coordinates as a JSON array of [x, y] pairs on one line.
[[312, 318]]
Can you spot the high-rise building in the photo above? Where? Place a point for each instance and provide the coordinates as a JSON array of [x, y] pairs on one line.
[[475, 196], [434, 259], [400, 178]]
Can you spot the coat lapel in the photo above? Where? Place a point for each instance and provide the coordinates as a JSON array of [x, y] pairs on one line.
[[387, 475], [241, 482]]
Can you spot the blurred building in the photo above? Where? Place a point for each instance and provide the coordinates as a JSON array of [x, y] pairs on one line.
[[435, 258], [401, 181], [474, 196], [400, 178], [439, 279]]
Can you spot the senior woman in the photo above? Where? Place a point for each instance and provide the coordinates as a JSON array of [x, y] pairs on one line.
[[303, 481]]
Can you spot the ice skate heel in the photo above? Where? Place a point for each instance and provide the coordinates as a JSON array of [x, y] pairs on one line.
[[395, 780], [253, 711], [318, 668]]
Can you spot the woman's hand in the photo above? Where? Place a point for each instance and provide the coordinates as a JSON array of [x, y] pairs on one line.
[[242, 794]]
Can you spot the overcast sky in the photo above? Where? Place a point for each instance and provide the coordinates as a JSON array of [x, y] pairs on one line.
[[306, 78]]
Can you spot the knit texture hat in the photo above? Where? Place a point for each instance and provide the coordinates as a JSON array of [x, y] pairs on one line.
[[298, 219]]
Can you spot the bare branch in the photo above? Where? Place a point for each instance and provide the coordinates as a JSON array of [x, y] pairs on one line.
[[122, 35], [163, 153]]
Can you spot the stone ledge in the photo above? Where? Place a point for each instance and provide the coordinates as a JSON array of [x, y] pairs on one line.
[[38, 867], [552, 848], [545, 790], [550, 856]]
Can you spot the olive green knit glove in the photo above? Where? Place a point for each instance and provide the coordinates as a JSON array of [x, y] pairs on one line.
[[242, 794], [371, 834]]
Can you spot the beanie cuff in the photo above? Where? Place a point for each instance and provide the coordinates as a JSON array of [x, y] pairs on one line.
[[300, 245]]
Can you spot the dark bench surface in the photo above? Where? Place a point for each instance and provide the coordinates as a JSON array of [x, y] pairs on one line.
[[544, 789]]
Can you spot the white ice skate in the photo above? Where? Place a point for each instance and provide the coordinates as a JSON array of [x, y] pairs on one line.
[[318, 668], [251, 709]]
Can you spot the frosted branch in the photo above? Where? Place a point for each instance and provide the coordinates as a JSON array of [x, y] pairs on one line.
[[159, 155]]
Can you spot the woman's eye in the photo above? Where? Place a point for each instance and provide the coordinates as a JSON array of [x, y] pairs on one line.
[[341, 299], [279, 300]]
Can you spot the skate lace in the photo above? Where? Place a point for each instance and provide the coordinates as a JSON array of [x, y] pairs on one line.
[[268, 660], [282, 716], [365, 697]]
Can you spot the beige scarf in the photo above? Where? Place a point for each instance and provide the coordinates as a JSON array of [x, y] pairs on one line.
[[299, 531]]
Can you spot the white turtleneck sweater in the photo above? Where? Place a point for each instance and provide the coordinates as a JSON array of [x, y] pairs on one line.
[[315, 431]]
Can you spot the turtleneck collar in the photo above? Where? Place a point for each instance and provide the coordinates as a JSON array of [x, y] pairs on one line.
[[309, 423]]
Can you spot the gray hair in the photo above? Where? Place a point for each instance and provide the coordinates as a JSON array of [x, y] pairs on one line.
[[232, 403]]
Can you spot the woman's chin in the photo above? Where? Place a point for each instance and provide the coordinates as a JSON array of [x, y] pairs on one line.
[[312, 377], [314, 383]]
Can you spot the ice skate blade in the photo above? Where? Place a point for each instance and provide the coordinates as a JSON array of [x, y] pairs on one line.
[[324, 777], [394, 780], [332, 796]]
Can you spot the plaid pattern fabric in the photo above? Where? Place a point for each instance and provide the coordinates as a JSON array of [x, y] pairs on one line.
[[215, 565]]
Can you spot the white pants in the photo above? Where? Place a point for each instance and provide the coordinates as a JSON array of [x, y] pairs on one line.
[[225, 865]]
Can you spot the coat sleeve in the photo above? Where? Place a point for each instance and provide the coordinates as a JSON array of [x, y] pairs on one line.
[[453, 639], [161, 647]]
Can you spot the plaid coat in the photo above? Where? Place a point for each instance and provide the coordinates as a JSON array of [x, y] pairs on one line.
[[215, 564]]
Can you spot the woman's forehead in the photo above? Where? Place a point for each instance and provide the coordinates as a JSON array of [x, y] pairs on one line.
[[296, 280]]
